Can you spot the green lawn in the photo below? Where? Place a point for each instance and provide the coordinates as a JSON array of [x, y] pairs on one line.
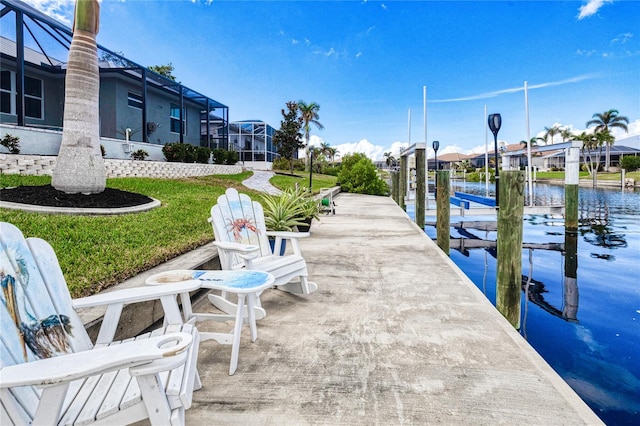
[[96, 252], [584, 175], [318, 181]]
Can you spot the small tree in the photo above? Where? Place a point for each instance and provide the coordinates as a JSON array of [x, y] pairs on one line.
[[164, 70], [288, 139], [358, 174]]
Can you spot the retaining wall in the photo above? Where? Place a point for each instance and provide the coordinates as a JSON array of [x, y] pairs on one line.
[[44, 165]]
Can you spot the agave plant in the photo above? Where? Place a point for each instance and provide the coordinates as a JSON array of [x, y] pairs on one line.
[[283, 212]]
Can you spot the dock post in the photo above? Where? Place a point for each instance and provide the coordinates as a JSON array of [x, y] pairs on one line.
[[421, 181], [509, 246], [403, 182], [394, 187], [571, 180], [443, 226]]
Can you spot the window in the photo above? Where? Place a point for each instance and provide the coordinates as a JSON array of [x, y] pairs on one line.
[[33, 101], [33, 95], [7, 92], [134, 100], [175, 119]]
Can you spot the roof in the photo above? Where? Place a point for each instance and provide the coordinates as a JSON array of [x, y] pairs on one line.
[[57, 35]]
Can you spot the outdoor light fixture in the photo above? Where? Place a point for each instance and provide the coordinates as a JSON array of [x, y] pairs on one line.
[[435, 145], [311, 150], [495, 121]]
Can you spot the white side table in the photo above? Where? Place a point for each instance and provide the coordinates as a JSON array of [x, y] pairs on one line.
[[247, 285]]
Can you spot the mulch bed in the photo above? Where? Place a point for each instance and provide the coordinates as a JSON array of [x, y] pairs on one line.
[[49, 196]]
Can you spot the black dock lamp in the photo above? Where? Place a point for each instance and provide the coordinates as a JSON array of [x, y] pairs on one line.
[[435, 145], [495, 121], [311, 151]]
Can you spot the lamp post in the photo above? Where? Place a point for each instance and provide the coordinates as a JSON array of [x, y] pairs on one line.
[[435, 145], [495, 121], [311, 149]]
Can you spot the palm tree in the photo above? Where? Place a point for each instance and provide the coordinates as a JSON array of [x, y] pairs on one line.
[[80, 167], [325, 149], [566, 134], [309, 113], [607, 121], [534, 141], [390, 160], [332, 153], [550, 133]]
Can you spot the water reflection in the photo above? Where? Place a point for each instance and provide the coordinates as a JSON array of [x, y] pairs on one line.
[[581, 304]]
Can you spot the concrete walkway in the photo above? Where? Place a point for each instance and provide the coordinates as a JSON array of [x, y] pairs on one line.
[[396, 334], [260, 182]]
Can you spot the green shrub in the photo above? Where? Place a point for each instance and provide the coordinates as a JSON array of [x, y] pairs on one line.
[[140, 154], [331, 170], [174, 152], [186, 153], [630, 163], [12, 143], [202, 154], [232, 157], [219, 155], [281, 163], [358, 174], [298, 165], [478, 176]]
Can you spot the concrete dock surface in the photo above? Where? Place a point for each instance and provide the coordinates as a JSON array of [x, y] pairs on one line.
[[395, 334]]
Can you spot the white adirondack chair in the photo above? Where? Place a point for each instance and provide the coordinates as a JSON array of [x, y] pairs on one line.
[[51, 373], [242, 241]]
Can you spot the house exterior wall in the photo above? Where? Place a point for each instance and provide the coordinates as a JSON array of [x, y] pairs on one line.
[[52, 96], [119, 115]]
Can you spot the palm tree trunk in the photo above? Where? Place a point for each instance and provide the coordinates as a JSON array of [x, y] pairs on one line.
[[80, 166], [607, 156]]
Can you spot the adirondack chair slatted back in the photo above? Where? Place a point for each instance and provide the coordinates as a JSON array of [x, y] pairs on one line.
[[236, 218], [37, 318]]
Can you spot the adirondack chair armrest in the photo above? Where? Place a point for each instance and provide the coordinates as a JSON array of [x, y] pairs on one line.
[[238, 248], [79, 365], [135, 295], [288, 235]]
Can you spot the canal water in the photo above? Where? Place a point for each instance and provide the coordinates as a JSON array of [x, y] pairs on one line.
[[580, 293]]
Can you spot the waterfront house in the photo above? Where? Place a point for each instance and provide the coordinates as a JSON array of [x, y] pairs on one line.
[[155, 109]]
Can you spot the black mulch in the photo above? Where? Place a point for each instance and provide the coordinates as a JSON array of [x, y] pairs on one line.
[[49, 196]]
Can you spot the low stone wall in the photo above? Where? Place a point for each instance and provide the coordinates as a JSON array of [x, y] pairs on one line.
[[44, 165]]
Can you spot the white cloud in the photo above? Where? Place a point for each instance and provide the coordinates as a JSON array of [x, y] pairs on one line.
[[517, 89], [581, 52], [374, 152], [591, 8], [622, 38], [60, 10]]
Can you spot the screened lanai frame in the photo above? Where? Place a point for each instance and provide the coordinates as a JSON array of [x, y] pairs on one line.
[[45, 35], [253, 140]]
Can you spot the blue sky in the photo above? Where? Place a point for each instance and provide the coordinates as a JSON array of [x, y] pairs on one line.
[[366, 62]]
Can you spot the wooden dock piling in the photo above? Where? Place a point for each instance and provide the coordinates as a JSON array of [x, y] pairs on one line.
[[421, 183], [403, 181], [509, 246], [443, 228]]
